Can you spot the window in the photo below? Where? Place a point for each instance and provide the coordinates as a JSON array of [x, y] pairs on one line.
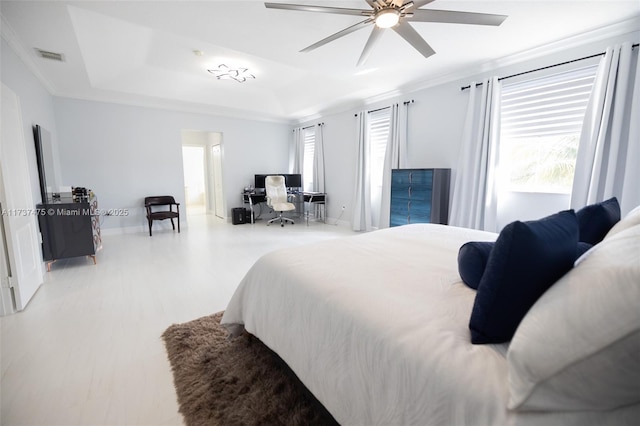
[[379, 122], [541, 120], [309, 151]]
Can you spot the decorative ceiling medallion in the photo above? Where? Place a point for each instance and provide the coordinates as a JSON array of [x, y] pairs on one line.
[[224, 72]]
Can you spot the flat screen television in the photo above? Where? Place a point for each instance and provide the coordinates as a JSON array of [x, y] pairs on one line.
[[291, 180]]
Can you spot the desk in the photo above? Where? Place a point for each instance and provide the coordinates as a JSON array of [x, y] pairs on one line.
[[315, 199], [253, 199]]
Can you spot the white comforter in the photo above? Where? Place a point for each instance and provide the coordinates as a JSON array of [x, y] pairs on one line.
[[376, 326]]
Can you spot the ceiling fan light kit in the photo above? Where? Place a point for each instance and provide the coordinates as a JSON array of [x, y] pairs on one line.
[[387, 18], [396, 15]]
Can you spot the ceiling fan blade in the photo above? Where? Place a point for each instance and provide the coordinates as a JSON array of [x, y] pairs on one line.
[[453, 17], [373, 38], [322, 9], [396, 3], [339, 34], [407, 32], [420, 3]]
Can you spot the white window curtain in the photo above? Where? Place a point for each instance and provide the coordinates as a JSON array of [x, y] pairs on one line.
[[318, 159], [395, 156], [296, 151], [474, 202], [608, 162], [361, 220], [318, 166]]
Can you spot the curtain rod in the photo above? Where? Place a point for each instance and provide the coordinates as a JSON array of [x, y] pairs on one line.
[[544, 68], [380, 109], [308, 127]]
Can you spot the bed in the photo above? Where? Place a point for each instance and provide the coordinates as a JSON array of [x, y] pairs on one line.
[[377, 327]]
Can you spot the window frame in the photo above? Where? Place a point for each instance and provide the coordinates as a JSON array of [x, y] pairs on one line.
[[309, 143], [378, 135], [552, 105]]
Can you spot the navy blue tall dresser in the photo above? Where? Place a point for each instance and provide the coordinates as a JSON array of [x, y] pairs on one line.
[[419, 196]]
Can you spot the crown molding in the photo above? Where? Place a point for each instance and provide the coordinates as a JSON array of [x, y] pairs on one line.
[[629, 26], [178, 106]]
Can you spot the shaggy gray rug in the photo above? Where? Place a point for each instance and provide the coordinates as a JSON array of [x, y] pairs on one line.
[[235, 382]]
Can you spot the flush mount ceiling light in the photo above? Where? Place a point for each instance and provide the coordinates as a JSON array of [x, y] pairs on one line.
[[223, 72]]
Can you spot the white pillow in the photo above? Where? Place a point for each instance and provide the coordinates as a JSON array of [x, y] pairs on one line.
[[629, 220], [578, 347]]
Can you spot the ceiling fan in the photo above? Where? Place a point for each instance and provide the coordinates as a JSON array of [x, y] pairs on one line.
[[394, 14]]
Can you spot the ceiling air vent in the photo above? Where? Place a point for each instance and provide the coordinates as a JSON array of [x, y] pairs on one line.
[[50, 55]]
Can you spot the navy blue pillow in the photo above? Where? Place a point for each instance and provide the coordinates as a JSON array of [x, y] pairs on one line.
[[472, 259], [527, 258], [582, 248], [595, 220]]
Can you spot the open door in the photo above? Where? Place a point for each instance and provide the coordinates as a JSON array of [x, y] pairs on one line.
[[7, 301], [19, 219]]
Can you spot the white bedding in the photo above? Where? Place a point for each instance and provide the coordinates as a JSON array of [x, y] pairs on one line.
[[376, 326]]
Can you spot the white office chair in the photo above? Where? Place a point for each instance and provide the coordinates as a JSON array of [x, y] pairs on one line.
[[277, 198]]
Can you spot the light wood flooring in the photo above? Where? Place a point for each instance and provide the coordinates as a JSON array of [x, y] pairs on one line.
[[87, 349]]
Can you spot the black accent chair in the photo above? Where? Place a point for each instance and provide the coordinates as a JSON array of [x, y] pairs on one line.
[[166, 201]]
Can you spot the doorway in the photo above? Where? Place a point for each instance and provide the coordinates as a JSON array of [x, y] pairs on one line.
[[193, 159], [202, 157]]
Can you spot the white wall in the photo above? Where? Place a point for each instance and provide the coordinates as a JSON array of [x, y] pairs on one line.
[[36, 104], [436, 121], [124, 153]]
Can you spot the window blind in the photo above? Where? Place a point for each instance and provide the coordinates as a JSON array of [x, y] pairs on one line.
[[546, 106], [379, 122], [309, 151]]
